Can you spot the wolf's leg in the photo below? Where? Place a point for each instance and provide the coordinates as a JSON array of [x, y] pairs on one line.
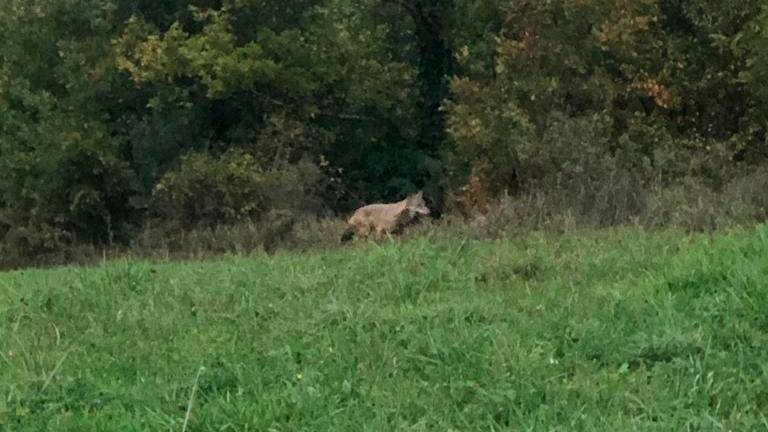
[[363, 231], [381, 234]]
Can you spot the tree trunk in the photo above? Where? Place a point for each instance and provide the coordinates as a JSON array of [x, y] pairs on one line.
[[434, 66]]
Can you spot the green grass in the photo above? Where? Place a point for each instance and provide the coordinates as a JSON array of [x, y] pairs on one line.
[[608, 330]]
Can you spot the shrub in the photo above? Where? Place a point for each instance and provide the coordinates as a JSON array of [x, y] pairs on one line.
[[747, 196], [205, 191], [688, 204], [499, 132], [32, 245]]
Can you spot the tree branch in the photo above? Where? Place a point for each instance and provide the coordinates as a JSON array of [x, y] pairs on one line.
[[419, 14], [410, 8]]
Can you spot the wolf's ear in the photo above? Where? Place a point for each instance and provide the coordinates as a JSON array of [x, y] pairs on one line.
[[414, 198], [419, 195]]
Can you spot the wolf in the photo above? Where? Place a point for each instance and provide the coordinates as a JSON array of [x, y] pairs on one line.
[[382, 219]]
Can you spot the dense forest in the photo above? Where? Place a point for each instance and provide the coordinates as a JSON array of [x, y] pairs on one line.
[[203, 113]]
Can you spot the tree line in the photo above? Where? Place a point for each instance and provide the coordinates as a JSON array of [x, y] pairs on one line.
[[207, 112]]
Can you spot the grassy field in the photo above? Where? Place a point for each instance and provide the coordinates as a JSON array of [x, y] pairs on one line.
[[607, 330]]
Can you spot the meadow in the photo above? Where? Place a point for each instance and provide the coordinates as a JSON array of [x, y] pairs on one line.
[[615, 329]]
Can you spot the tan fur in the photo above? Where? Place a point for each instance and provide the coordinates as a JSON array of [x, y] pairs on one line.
[[382, 219]]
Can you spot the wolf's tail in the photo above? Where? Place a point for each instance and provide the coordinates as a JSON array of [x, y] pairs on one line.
[[348, 234]]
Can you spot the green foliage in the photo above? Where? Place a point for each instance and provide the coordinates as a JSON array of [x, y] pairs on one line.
[[64, 172], [610, 330], [59, 167], [205, 191], [212, 58], [661, 117], [750, 42], [99, 99], [497, 132], [329, 78]]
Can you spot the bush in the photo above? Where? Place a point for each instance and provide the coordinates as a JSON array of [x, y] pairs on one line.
[[665, 159], [747, 196], [688, 204], [206, 191], [28, 244], [498, 132]]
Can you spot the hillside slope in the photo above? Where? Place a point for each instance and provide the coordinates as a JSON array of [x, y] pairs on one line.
[[608, 330]]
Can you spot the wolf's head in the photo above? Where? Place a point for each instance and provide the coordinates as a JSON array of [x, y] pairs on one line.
[[415, 205]]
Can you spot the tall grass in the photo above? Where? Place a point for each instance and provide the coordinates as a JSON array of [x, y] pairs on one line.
[[616, 329]]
